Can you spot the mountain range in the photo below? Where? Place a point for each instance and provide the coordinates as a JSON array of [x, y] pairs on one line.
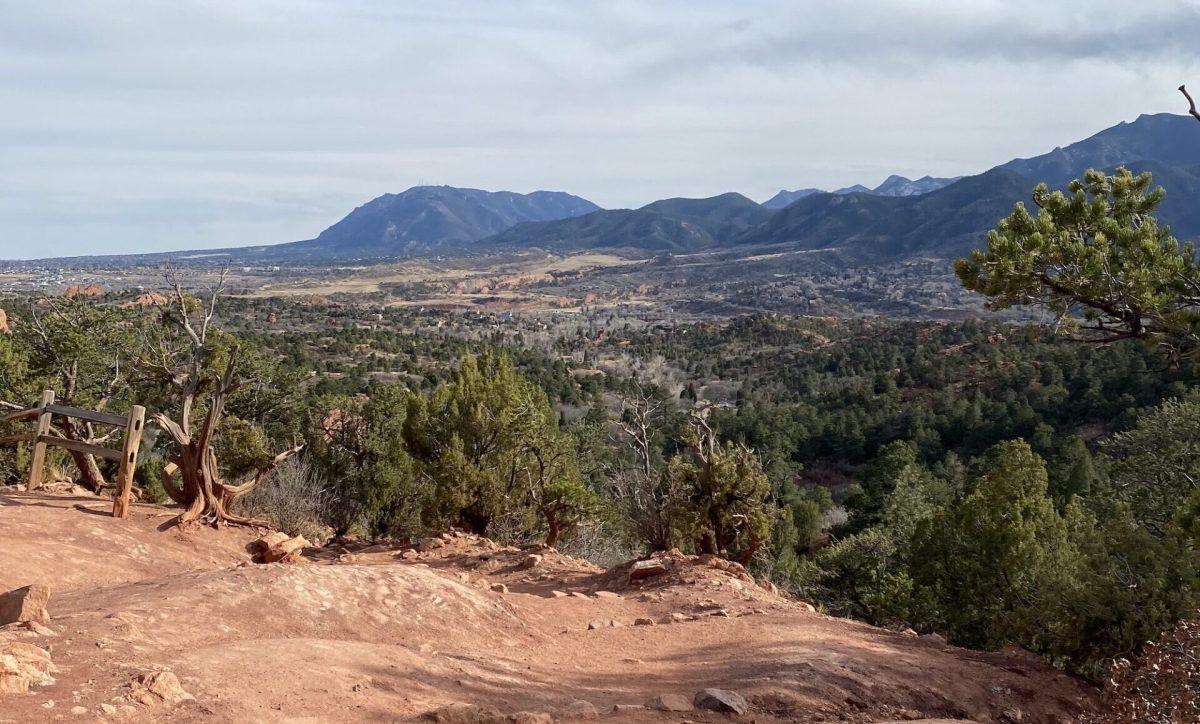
[[892, 186], [932, 217], [871, 225]]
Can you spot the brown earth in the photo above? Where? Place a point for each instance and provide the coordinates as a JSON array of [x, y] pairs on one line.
[[389, 633]]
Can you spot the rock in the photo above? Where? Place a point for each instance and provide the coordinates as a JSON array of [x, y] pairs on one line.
[[531, 561], [804, 605], [499, 588], [627, 708], [578, 594], [268, 541], [677, 617], [430, 544], [39, 629], [531, 717], [24, 665], [593, 625], [671, 702], [648, 569], [579, 710], [643, 621], [909, 633], [614, 624], [607, 594], [108, 709], [466, 714], [159, 686], [559, 594], [78, 710], [723, 700], [25, 604], [934, 638], [4, 328], [288, 550]]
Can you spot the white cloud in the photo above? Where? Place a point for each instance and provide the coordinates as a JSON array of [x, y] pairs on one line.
[[132, 126]]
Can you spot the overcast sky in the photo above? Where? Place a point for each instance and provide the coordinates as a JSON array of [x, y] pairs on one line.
[[141, 126]]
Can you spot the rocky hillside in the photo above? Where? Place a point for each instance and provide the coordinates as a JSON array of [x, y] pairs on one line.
[[146, 622]]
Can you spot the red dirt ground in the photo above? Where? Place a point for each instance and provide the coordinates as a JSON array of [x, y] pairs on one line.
[[394, 634]]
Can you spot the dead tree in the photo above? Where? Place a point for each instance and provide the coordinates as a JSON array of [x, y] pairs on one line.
[[207, 497], [1191, 103]]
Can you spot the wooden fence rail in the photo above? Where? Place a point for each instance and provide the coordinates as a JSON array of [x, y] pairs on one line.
[[41, 438]]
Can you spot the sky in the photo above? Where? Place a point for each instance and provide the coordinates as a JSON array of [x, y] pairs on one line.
[[139, 125]]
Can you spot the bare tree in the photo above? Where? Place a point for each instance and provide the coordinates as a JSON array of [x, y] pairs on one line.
[[641, 491], [201, 489], [1191, 103]]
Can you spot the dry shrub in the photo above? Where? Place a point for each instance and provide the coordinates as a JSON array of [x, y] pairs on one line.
[[1161, 686], [294, 499]]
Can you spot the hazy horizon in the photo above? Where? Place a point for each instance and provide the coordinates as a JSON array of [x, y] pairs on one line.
[[138, 127]]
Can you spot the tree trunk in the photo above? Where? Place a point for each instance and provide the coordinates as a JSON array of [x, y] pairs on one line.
[[205, 495]]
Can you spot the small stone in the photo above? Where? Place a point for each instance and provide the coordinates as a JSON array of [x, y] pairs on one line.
[[643, 621], [909, 633], [934, 638], [579, 710], [559, 594], [723, 700], [721, 612], [607, 594], [578, 594], [499, 588], [614, 624], [25, 604], [671, 702], [79, 710], [594, 625], [108, 709], [678, 617], [531, 561], [529, 717], [627, 708]]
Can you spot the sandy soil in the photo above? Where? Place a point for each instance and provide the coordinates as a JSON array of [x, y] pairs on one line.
[[384, 633]]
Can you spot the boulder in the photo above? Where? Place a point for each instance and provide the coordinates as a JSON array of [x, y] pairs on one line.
[[268, 541], [25, 604], [647, 569], [24, 665], [722, 700], [499, 588], [580, 710], [275, 547], [466, 714], [643, 621], [671, 702], [158, 686], [531, 561]]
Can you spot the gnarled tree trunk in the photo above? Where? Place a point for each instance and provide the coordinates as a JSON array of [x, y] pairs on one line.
[[207, 497]]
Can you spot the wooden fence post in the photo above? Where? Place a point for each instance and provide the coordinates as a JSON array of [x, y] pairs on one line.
[[129, 452], [39, 447]]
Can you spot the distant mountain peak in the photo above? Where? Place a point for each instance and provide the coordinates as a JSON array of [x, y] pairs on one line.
[[435, 219]]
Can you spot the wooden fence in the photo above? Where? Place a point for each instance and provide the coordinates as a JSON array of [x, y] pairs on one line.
[[133, 423]]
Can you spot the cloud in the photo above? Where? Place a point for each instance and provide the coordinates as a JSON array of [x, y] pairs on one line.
[[135, 126]]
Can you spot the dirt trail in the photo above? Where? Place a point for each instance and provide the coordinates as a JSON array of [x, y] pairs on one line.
[[392, 634]]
